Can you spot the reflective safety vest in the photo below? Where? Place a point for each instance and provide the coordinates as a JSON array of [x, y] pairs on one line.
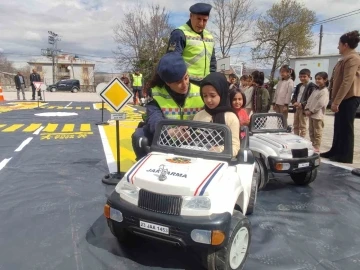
[[171, 110], [197, 52], [137, 79]]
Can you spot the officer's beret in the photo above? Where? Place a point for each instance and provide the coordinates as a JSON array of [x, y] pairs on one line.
[[171, 67], [201, 9]]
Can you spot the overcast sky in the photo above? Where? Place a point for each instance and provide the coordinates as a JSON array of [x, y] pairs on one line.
[[86, 26]]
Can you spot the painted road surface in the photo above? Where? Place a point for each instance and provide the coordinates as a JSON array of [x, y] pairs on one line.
[[52, 199]]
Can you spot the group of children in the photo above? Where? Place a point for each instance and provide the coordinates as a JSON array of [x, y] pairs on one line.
[[227, 103], [309, 100]]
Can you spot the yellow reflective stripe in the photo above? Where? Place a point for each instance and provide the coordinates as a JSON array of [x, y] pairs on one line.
[[50, 128], [85, 127], [32, 127], [68, 128], [13, 128]]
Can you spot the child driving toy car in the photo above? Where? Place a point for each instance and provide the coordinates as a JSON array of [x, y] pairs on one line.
[[214, 91]]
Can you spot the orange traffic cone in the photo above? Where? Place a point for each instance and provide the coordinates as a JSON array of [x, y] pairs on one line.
[[1, 94]]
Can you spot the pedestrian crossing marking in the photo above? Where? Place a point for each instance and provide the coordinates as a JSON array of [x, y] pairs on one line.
[[67, 108], [50, 128], [32, 128], [85, 127], [68, 128], [13, 128]]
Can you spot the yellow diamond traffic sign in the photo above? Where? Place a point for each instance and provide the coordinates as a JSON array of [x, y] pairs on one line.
[[116, 94]]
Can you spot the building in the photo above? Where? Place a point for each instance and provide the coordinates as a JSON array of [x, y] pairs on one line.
[[66, 67]]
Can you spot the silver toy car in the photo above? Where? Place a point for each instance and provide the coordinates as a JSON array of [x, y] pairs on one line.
[[277, 150]]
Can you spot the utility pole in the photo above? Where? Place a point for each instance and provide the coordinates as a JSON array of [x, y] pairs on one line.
[[321, 36], [52, 52]]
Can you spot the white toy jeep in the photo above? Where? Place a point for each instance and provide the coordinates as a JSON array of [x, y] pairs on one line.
[[277, 150], [189, 191]]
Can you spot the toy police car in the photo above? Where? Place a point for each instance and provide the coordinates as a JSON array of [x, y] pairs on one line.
[[277, 150], [189, 191]]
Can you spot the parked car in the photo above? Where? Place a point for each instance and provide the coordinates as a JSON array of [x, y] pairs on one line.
[[189, 191], [65, 85], [277, 150]]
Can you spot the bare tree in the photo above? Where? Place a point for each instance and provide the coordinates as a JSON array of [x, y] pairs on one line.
[[285, 30], [142, 38], [233, 19]]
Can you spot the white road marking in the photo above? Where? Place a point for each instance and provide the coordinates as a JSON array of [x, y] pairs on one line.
[[68, 105], [4, 162], [23, 144], [37, 132], [107, 149], [95, 107], [48, 114]]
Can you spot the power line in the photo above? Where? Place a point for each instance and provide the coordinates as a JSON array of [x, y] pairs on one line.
[[338, 17]]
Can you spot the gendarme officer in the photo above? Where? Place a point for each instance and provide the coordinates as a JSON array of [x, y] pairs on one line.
[[195, 43]]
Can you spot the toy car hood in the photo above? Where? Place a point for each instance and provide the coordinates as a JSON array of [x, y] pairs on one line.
[[285, 140], [175, 175]]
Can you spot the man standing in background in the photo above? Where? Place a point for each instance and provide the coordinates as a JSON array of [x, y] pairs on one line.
[[20, 85], [195, 43], [137, 83], [35, 77]]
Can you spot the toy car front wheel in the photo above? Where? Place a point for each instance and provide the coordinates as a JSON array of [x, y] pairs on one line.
[[253, 192], [233, 255], [262, 172], [304, 178], [122, 235]]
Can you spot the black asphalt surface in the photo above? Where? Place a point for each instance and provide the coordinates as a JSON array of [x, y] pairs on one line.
[[52, 199]]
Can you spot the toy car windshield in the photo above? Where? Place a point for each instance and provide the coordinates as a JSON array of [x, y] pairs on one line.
[[196, 138], [267, 122]]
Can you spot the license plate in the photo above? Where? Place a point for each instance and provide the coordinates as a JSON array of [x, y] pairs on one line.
[[154, 227], [303, 165]]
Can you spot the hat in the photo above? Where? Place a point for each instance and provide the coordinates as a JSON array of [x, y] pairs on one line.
[[201, 9], [171, 67]]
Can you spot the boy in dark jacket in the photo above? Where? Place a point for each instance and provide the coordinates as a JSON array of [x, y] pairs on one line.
[[301, 95]]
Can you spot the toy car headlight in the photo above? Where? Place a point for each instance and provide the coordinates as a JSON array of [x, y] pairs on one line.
[[126, 189], [196, 203]]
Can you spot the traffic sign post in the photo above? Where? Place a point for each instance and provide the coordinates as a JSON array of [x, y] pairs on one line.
[[102, 115], [116, 95], [99, 88], [37, 88]]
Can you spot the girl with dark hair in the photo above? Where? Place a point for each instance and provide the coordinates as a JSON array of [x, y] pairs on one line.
[[248, 91], [284, 89], [244, 82], [345, 97], [238, 100], [315, 109], [260, 96], [214, 90]]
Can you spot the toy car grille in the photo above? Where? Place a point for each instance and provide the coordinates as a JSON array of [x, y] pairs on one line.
[[195, 138], [165, 204], [268, 122], [299, 153]]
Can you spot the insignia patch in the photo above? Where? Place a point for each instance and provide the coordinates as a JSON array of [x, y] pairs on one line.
[[172, 47], [179, 160]]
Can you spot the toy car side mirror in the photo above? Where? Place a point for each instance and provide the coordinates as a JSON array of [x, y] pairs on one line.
[[144, 144], [289, 128]]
